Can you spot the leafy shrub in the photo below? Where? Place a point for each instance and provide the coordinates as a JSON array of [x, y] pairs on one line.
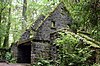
[[70, 52], [96, 64], [9, 57], [42, 62]]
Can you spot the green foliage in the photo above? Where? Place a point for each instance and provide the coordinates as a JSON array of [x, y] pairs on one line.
[[96, 64], [85, 14], [42, 62], [34, 9], [70, 51], [81, 12], [9, 57]]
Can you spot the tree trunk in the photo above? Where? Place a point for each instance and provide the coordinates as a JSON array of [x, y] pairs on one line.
[[4, 3], [98, 56], [0, 27], [24, 20], [6, 40], [94, 18]]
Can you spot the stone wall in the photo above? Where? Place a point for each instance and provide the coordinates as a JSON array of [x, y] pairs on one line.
[[25, 35], [37, 22], [14, 50], [98, 56], [60, 19], [39, 50], [53, 47], [44, 26]]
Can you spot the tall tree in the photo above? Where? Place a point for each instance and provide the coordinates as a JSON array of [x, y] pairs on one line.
[[6, 40], [24, 19], [3, 5], [94, 18]]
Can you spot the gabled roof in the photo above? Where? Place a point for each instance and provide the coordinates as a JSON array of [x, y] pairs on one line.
[[42, 21], [39, 20]]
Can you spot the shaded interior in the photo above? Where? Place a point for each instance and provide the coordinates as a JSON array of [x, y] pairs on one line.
[[24, 53]]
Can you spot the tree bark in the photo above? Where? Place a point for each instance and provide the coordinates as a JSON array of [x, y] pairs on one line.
[[94, 18], [6, 40], [0, 27], [3, 6], [24, 20]]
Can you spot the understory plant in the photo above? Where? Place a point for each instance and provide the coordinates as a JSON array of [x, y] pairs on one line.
[[9, 57], [42, 62], [72, 52], [96, 64]]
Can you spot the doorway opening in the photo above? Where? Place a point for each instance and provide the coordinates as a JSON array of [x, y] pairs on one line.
[[24, 53]]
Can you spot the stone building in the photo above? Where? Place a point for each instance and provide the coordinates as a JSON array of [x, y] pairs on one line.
[[39, 45], [29, 50]]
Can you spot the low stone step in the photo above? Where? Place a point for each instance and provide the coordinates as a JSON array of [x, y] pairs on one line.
[[5, 64]]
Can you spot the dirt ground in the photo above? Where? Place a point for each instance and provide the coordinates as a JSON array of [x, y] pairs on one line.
[[5, 64]]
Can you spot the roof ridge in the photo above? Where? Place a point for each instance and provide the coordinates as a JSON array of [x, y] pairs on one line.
[[49, 15]]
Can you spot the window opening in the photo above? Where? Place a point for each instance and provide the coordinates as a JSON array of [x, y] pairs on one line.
[[53, 24]]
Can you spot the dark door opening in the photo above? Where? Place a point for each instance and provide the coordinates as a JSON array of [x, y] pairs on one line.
[[24, 53]]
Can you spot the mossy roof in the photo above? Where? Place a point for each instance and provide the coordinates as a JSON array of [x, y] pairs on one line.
[[92, 42], [50, 15], [19, 42]]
